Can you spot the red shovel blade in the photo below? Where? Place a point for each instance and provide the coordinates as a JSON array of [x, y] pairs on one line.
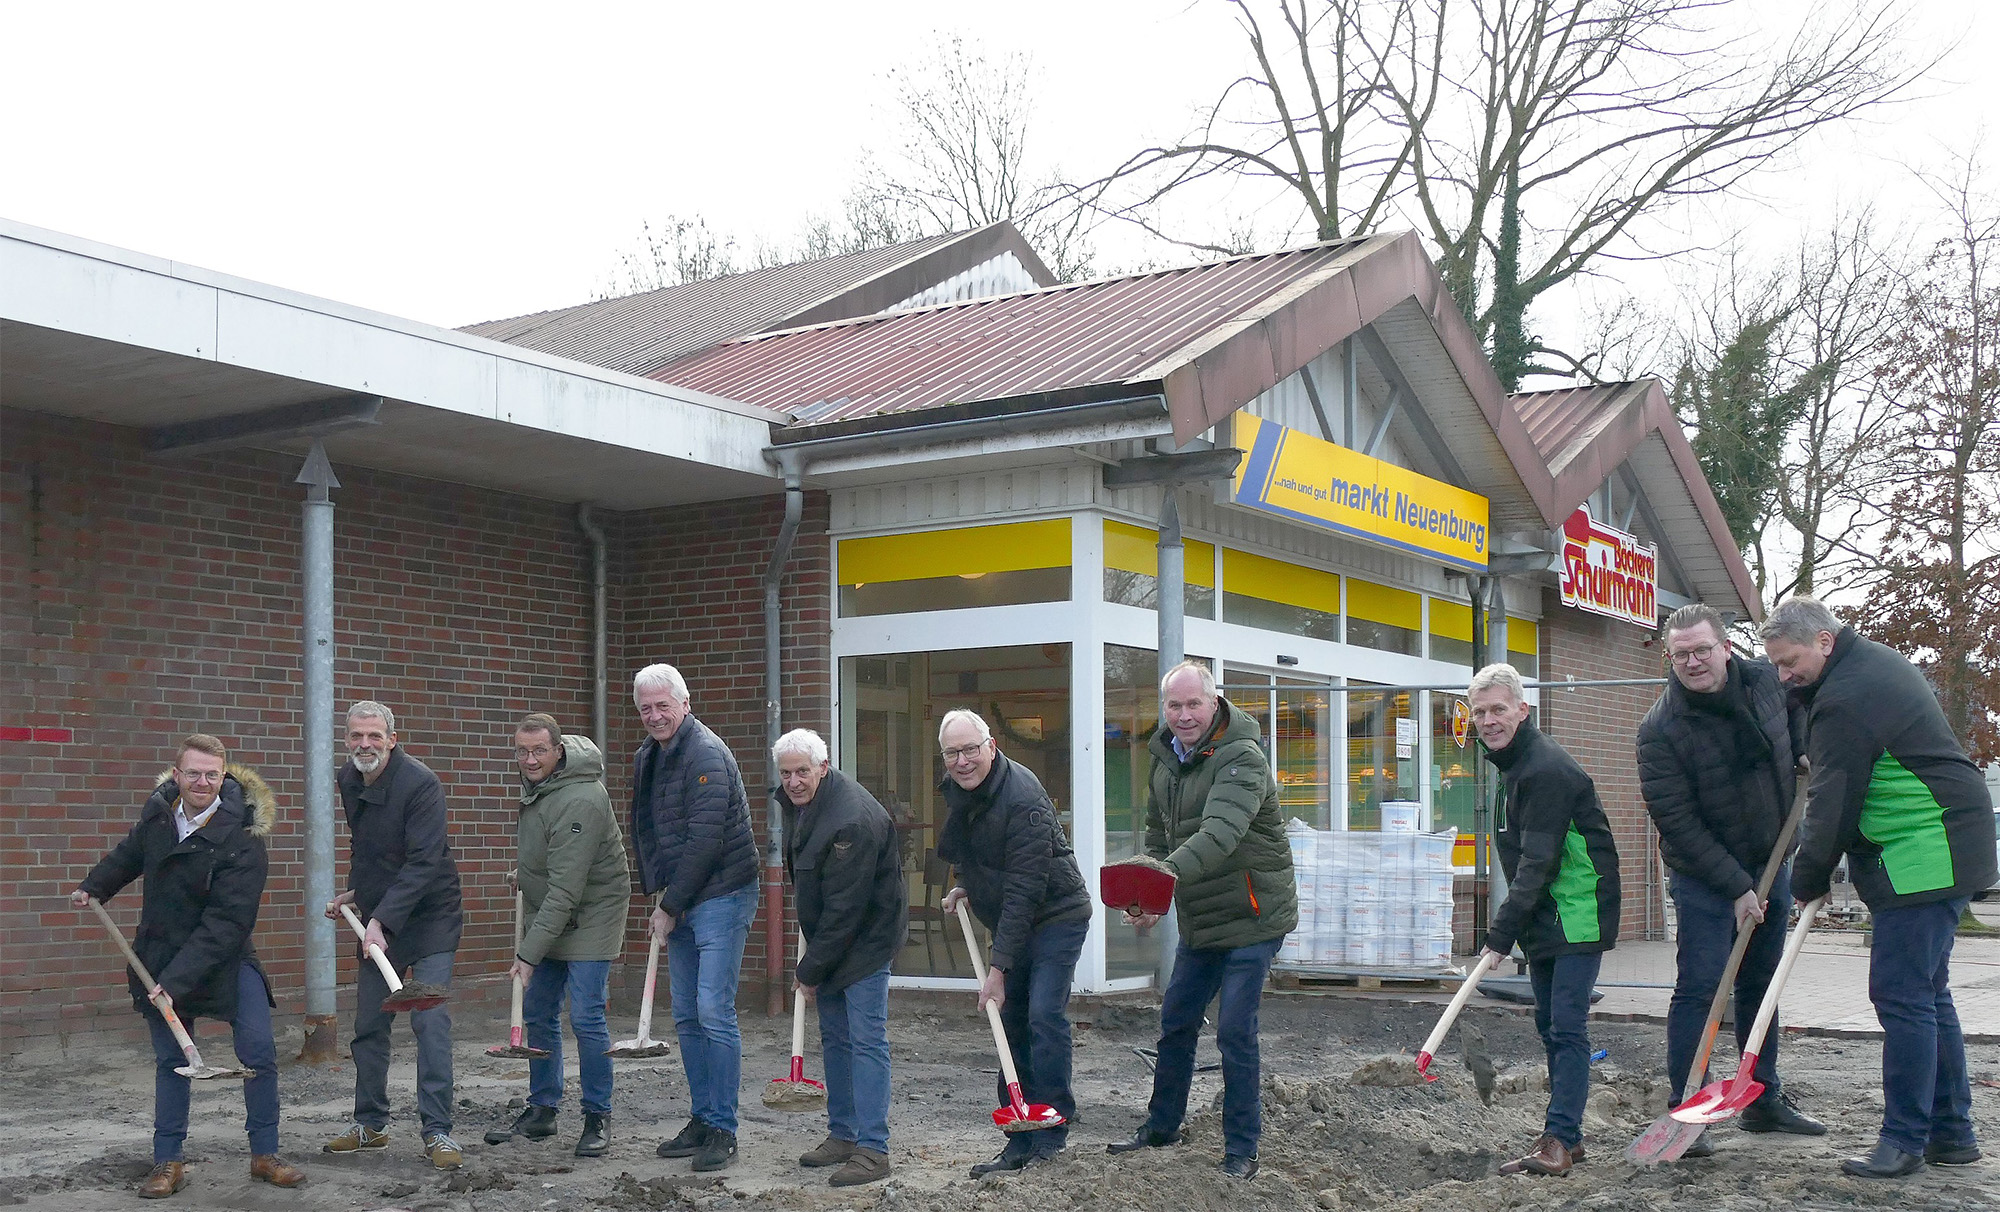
[[1664, 1141], [1424, 1067], [514, 1047], [1718, 1101], [1020, 1115], [1136, 888]]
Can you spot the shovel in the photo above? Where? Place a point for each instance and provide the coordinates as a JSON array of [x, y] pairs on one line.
[[797, 1092], [195, 1068], [514, 1046], [1668, 1137], [1019, 1115], [643, 1044], [413, 997], [1718, 1101], [1450, 1015]]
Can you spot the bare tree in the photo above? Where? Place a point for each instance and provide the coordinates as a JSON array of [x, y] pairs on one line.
[[1526, 138], [676, 252]]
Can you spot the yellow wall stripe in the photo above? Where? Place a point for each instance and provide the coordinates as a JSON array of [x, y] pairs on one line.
[[961, 551], [1451, 620], [1254, 576], [1136, 549], [1523, 636], [1396, 607]]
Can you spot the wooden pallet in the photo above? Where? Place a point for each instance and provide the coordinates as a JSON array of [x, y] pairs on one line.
[[1306, 979]]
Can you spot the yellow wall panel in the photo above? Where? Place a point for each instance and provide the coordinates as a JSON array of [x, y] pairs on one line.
[[1396, 607], [961, 551], [1255, 576], [1131, 548]]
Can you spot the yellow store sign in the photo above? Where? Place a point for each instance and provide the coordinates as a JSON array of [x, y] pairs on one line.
[[1298, 476]]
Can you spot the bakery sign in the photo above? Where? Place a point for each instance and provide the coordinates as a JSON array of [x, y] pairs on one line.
[[1606, 571]]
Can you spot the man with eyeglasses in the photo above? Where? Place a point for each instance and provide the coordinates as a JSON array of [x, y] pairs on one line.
[[575, 890], [1717, 758], [1015, 869], [403, 882], [199, 845]]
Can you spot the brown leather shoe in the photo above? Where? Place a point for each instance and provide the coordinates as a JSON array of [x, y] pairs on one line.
[[266, 1167], [1547, 1157], [1576, 1154], [166, 1178]]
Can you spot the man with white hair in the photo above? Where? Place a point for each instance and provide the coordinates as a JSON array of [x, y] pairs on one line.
[[846, 868], [1212, 818], [1015, 867], [403, 882], [1562, 897], [691, 825], [1892, 789]]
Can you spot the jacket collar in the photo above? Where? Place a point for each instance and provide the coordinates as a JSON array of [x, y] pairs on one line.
[[378, 791], [1162, 743], [1524, 740], [229, 803], [988, 789]]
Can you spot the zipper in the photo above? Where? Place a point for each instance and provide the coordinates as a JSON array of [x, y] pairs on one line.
[[1251, 889]]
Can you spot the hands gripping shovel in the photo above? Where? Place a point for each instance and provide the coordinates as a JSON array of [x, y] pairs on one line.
[[194, 1068], [514, 1046], [643, 1044], [797, 1092], [1019, 1115], [401, 997]]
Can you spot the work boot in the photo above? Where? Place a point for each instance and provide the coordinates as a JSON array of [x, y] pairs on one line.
[[719, 1150], [593, 1142], [830, 1152], [1703, 1146], [1777, 1113], [356, 1138], [1951, 1155], [166, 1178], [1016, 1156], [687, 1143], [443, 1151], [866, 1166], [534, 1122], [1145, 1138], [1887, 1161], [1235, 1165], [1547, 1157], [267, 1168], [1576, 1154]]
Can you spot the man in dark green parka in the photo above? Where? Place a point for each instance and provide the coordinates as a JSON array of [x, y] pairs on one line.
[[1212, 818]]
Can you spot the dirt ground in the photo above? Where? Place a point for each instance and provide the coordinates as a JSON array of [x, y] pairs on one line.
[[76, 1131]]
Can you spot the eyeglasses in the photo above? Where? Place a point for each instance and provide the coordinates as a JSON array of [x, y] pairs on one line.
[[1701, 653], [202, 776], [539, 753], [953, 756]]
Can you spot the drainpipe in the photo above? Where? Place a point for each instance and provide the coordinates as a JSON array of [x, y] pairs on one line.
[[316, 638], [1171, 602], [1481, 822], [599, 705], [775, 949]]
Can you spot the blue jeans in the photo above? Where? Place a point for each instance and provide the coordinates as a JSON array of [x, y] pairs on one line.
[[1707, 932], [255, 1050], [1036, 1019], [1562, 1017], [1926, 1093], [371, 1048], [1238, 974], [587, 985], [704, 960], [854, 1038]]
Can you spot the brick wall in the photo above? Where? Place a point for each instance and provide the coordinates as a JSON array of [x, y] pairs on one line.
[[1598, 726], [143, 600]]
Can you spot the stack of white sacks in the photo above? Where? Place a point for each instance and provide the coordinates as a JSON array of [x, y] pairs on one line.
[[1371, 900]]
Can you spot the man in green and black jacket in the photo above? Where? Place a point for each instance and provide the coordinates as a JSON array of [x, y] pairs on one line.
[[1562, 898], [1213, 820], [1892, 790]]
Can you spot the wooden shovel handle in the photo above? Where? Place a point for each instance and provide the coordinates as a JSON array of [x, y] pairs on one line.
[[173, 1020], [1754, 1043], [992, 1011], [375, 953], [514, 1024], [799, 1010], [652, 975], [1464, 994]]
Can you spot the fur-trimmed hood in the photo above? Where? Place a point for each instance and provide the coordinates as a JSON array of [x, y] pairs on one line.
[[260, 803]]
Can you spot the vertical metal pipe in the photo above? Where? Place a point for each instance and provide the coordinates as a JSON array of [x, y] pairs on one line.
[[1482, 785], [1171, 599], [316, 567], [774, 724], [600, 705]]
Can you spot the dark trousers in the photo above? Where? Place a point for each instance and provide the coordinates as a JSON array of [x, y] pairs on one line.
[[1707, 924], [1238, 974], [371, 1048], [255, 1050], [1562, 1017], [1036, 1019], [1926, 1093]]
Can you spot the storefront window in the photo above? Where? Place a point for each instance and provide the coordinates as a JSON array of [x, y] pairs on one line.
[[893, 704], [1454, 763], [1381, 753], [1389, 620], [1131, 560], [1276, 596], [1296, 721], [1131, 716], [1004, 565]]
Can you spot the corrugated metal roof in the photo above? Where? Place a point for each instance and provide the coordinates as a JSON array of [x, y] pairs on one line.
[[1564, 422], [1114, 330], [639, 334]]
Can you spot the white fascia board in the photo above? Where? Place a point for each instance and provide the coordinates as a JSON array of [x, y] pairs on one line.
[[60, 282]]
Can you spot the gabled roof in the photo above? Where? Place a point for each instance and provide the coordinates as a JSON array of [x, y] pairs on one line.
[[638, 334], [1586, 435]]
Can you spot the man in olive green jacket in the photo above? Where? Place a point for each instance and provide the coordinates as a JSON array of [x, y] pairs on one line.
[[575, 887], [1213, 820]]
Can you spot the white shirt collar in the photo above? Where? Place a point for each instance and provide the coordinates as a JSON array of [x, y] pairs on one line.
[[184, 826]]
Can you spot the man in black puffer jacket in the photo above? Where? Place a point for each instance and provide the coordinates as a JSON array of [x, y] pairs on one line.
[[1716, 765], [1006, 844], [846, 868], [691, 826], [1892, 789]]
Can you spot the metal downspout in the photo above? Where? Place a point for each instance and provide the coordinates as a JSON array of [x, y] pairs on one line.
[[316, 638], [599, 562], [1482, 832], [1172, 609], [774, 858]]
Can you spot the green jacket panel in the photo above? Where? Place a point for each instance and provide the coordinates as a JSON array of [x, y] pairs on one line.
[[574, 879]]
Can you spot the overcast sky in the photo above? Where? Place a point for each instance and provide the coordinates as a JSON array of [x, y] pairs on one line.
[[460, 162]]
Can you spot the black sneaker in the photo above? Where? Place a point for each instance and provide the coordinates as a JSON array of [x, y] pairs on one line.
[[1886, 1161], [718, 1151], [1015, 1156], [1239, 1167], [533, 1122], [593, 1142], [1145, 1138], [1777, 1113], [1951, 1155], [688, 1143]]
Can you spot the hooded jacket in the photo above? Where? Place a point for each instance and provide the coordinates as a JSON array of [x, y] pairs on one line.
[[575, 886], [201, 896], [1006, 843], [1214, 819], [1890, 787], [691, 819], [846, 867], [1555, 846], [400, 866], [1718, 800]]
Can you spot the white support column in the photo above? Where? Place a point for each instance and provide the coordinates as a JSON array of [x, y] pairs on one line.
[[1086, 734]]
